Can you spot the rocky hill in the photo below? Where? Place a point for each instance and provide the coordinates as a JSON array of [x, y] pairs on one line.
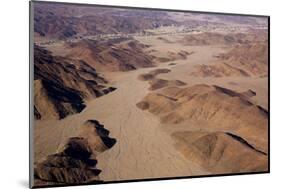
[[111, 55], [75, 162], [213, 107], [62, 85], [220, 152]]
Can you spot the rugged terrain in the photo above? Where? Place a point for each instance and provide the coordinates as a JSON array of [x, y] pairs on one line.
[[111, 55], [60, 21], [217, 151], [124, 94], [62, 85], [76, 162]]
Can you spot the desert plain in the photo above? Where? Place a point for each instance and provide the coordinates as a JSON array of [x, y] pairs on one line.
[[142, 94]]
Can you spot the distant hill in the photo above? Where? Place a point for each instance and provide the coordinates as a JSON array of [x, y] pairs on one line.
[[112, 54], [62, 21]]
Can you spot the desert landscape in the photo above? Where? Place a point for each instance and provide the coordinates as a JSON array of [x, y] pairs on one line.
[[125, 94]]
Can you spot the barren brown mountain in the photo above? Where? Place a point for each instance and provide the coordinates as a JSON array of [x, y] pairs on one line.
[[76, 162], [60, 21], [213, 107], [252, 58], [217, 151], [112, 54], [248, 58], [61, 85]]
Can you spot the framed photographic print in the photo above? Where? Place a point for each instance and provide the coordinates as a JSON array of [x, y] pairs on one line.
[[121, 94]]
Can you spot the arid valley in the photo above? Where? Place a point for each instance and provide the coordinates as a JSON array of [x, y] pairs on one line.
[[126, 94]]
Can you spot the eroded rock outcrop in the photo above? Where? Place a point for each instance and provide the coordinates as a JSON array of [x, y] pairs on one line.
[[111, 54], [75, 162], [61, 85], [213, 107], [220, 152]]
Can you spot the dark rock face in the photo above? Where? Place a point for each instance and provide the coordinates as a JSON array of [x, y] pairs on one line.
[[240, 139], [101, 132], [109, 89], [78, 148], [65, 100], [76, 162], [62, 84], [36, 113], [72, 165], [126, 67]]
